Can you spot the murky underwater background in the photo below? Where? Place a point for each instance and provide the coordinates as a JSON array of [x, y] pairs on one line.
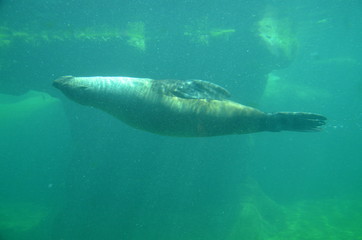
[[69, 172]]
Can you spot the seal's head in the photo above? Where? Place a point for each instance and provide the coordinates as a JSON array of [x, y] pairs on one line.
[[74, 88], [61, 82]]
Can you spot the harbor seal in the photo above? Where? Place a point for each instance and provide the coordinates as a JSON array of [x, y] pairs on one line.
[[190, 108]]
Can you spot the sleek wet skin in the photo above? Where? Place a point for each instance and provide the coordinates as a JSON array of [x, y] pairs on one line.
[[192, 108]]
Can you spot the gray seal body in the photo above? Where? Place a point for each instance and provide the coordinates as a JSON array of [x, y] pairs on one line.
[[191, 108]]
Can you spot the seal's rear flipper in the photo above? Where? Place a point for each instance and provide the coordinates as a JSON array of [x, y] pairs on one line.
[[295, 121]]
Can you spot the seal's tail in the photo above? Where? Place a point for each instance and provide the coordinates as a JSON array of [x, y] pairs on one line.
[[295, 121]]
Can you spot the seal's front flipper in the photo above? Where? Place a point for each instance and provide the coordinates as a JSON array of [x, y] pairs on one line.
[[294, 121], [199, 89]]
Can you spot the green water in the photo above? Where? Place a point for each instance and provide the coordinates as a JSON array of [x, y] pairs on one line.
[[69, 172]]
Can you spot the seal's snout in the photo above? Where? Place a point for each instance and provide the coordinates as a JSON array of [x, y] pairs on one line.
[[58, 83]]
